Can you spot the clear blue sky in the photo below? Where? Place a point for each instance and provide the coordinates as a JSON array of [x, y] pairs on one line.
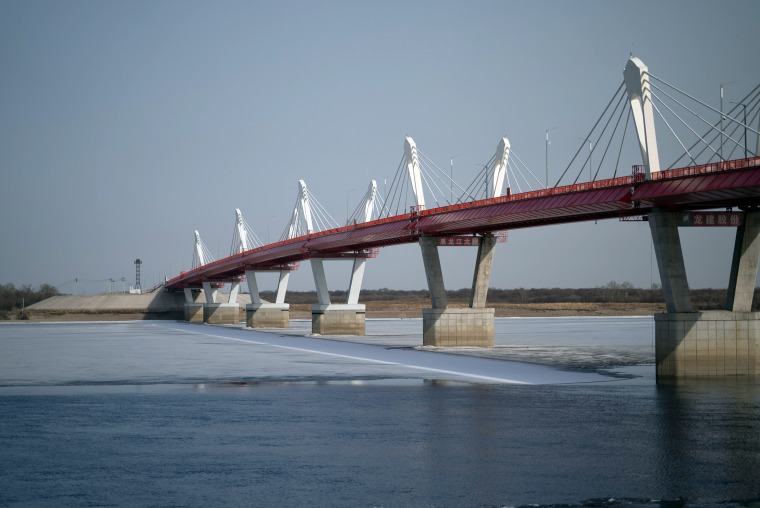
[[126, 125]]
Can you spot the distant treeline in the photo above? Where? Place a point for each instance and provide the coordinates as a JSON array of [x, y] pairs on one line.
[[612, 292], [13, 298]]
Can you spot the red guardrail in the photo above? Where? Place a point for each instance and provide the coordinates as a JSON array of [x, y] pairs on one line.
[[712, 167]]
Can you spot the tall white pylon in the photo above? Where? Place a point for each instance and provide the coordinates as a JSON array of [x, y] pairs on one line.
[[301, 212], [636, 77], [499, 168], [366, 209], [369, 201], [243, 237], [201, 255], [242, 233], [413, 167]]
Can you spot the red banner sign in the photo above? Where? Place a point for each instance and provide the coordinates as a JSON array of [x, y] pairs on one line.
[[459, 241], [712, 219]]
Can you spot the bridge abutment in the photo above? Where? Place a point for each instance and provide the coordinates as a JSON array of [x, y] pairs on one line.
[[449, 327], [707, 344]]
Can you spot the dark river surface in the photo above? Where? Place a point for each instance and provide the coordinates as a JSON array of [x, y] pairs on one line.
[[172, 414]]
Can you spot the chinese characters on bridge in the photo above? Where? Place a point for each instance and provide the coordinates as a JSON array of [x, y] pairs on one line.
[[729, 219]]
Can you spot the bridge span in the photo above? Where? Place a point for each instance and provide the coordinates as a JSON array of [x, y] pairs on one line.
[[725, 193]]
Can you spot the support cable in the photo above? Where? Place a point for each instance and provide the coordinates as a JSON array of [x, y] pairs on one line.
[[702, 103], [592, 130], [755, 93], [622, 140], [512, 155], [679, 118], [445, 176], [654, 105], [609, 143], [601, 134]]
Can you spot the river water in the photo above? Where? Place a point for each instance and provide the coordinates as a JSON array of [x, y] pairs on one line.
[[174, 414]]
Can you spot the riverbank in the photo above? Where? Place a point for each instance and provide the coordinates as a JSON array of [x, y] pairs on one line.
[[170, 306]]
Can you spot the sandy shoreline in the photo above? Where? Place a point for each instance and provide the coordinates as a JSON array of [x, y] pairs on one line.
[[398, 309]]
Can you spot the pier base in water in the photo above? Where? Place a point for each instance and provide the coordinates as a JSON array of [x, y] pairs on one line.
[[267, 315], [710, 344], [221, 313], [194, 312], [338, 319], [457, 327]]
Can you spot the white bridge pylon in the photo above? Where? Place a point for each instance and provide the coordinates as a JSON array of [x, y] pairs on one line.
[[243, 237], [501, 158], [636, 77], [368, 208], [412, 160], [201, 255], [430, 186]]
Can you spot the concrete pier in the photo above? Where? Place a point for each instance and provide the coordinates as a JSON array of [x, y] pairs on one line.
[[267, 315], [709, 344], [445, 327], [338, 319], [457, 327], [193, 308], [329, 318], [221, 313], [261, 314], [204, 307], [194, 312]]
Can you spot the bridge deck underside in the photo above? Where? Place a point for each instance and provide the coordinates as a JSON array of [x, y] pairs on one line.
[[698, 191]]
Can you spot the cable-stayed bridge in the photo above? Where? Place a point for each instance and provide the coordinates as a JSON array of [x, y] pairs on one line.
[[715, 181]]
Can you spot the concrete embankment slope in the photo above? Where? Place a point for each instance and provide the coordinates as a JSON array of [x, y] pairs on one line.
[[159, 305]]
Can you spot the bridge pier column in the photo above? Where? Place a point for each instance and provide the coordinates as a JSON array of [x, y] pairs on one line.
[[708, 344], [220, 313], [260, 314], [193, 309], [329, 318], [445, 327]]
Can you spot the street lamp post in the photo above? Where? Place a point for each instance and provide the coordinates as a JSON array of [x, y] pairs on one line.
[[721, 116], [451, 180], [745, 124], [546, 185], [348, 192]]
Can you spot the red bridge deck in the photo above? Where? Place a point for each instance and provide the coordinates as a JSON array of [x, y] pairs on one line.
[[733, 183]]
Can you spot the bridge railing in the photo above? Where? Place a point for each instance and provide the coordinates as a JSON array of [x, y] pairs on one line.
[[554, 191], [712, 167]]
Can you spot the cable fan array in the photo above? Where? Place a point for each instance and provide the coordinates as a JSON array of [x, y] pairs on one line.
[[729, 132], [420, 183], [243, 237], [484, 185], [201, 254], [604, 134], [723, 139], [309, 216]]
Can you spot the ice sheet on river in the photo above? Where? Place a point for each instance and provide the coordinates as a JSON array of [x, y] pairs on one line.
[[178, 352]]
